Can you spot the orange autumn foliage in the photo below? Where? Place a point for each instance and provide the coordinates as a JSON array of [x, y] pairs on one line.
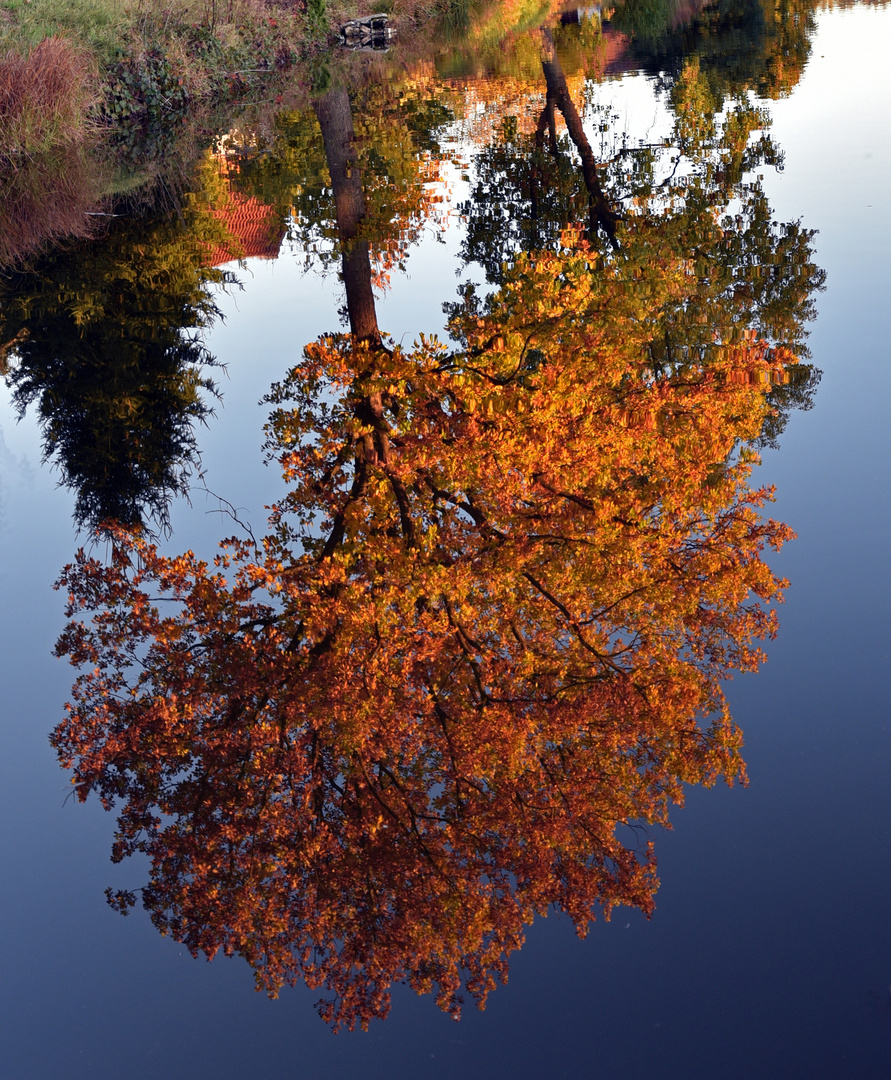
[[481, 644]]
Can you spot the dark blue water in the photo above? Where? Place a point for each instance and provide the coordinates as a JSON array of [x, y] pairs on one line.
[[769, 954]]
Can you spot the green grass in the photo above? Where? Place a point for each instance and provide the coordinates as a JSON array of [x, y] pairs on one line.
[[96, 24], [112, 27]]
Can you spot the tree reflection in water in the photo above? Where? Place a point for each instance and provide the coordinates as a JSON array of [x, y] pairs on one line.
[[481, 646], [104, 340]]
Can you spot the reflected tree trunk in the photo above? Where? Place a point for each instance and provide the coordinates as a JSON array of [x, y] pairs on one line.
[[600, 213], [336, 121], [373, 449]]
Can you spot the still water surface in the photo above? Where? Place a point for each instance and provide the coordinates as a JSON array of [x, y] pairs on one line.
[[768, 952]]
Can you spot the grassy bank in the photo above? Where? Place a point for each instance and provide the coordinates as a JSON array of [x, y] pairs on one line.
[[135, 63], [132, 63]]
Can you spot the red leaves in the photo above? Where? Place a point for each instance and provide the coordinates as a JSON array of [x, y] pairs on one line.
[[376, 757]]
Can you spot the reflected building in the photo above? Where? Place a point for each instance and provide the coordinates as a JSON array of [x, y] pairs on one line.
[[255, 229]]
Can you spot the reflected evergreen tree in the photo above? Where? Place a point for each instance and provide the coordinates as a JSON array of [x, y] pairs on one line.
[[106, 344], [644, 20]]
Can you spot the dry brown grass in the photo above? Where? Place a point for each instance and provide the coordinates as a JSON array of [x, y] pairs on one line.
[[46, 98], [47, 198]]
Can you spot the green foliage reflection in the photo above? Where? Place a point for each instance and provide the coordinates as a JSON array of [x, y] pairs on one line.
[[104, 337]]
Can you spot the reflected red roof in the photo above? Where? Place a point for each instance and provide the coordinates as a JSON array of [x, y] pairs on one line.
[[257, 230]]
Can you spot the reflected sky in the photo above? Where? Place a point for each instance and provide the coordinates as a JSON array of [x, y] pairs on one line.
[[769, 952]]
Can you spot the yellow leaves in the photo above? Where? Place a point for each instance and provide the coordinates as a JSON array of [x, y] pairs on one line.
[[406, 735]]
